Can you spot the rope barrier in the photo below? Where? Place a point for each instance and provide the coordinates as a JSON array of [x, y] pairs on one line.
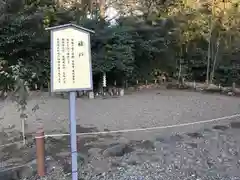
[[143, 129], [128, 130], [15, 167], [122, 131], [9, 144]]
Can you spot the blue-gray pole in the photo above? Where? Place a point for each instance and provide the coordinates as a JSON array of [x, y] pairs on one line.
[[72, 117]]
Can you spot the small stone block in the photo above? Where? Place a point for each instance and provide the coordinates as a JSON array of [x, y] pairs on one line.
[[91, 95], [121, 92]]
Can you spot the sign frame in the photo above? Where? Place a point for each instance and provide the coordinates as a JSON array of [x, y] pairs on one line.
[[53, 64]]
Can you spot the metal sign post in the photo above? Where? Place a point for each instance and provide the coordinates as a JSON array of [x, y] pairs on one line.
[[71, 71], [73, 124]]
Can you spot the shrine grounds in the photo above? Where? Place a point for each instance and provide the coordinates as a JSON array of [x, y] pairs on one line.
[[137, 110], [200, 151]]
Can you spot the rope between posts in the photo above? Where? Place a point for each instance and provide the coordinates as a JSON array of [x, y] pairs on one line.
[[15, 167], [143, 129], [9, 144], [120, 131]]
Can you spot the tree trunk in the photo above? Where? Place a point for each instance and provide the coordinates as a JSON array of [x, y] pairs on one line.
[[214, 62], [209, 56], [179, 72], [180, 67], [41, 87], [49, 89], [209, 44]]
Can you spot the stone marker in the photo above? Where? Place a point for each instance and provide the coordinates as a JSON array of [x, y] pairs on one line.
[[91, 95], [121, 92]]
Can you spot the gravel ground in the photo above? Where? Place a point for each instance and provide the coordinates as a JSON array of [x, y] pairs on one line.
[[206, 154], [197, 152], [138, 110]]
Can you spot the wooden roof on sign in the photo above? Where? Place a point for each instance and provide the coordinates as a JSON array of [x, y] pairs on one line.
[[70, 25]]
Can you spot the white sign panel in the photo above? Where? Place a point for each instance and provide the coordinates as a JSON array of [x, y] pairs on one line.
[[71, 60]]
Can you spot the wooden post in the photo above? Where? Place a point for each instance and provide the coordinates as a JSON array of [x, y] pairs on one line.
[[194, 85], [233, 86], [23, 131], [40, 148], [126, 84], [49, 89]]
